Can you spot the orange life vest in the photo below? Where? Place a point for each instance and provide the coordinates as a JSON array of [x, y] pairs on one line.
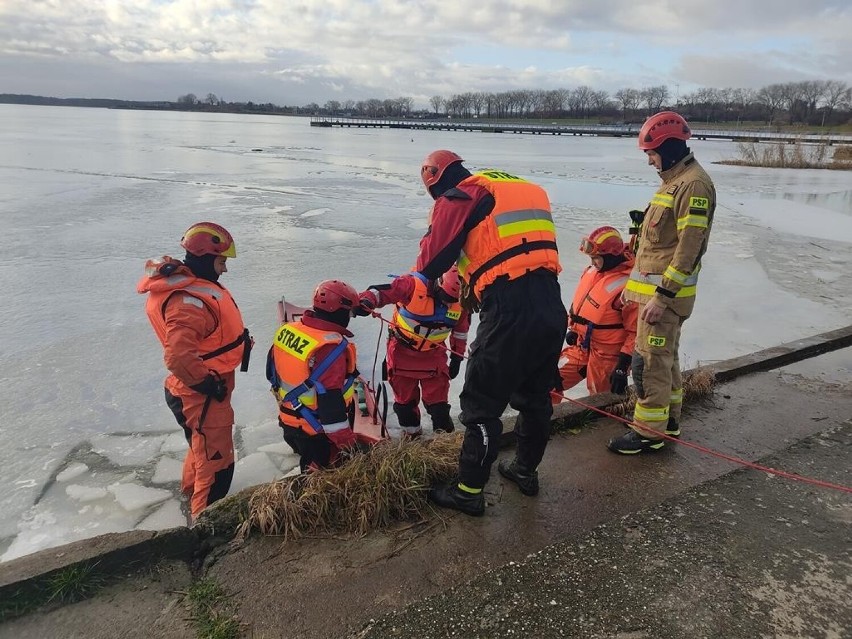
[[229, 344], [424, 322], [292, 357], [595, 313], [517, 237]]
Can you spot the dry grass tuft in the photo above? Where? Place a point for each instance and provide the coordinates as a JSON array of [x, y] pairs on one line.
[[798, 155], [697, 384], [843, 154], [370, 491]]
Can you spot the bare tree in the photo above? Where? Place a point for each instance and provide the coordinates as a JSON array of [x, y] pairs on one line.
[[188, 100], [332, 107], [628, 99], [436, 101]]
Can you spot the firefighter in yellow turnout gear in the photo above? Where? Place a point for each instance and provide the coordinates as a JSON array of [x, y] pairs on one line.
[[672, 239]]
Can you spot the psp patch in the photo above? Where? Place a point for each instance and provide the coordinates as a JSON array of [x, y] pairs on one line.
[[653, 340]]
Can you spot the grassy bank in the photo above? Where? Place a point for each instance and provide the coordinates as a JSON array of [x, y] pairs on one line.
[[798, 155]]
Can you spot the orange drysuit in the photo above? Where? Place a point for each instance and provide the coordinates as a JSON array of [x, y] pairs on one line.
[[605, 328], [202, 333]]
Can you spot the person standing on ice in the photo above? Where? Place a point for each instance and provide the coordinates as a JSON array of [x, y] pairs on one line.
[[499, 230], [311, 366], [601, 328], [204, 341], [426, 314], [673, 238]]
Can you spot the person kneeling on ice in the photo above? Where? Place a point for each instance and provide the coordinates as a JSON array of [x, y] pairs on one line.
[[204, 340], [426, 314], [601, 328], [312, 368]]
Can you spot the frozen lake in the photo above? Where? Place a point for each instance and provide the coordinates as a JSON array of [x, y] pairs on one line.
[[87, 445]]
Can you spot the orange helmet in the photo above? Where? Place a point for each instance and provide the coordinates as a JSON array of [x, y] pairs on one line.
[[603, 241], [435, 164], [207, 238], [662, 126], [333, 295], [450, 283]]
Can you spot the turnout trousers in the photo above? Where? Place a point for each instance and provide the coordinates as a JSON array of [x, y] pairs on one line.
[[208, 467], [513, 361], [656, 373]]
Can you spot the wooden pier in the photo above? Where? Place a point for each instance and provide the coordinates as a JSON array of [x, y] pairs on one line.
[[600, 130]]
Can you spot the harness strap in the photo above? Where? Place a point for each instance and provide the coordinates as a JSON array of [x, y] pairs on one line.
[[518, 249], [313, 382]]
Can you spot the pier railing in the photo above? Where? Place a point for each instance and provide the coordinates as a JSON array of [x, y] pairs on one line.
[[609, 130]]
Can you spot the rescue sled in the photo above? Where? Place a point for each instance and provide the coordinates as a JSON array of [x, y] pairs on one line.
[[371, 408]]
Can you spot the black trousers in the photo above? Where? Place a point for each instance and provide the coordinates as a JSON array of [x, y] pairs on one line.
[[513, 361], [312, 449]]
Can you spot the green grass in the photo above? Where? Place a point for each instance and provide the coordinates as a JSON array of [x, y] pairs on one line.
[[74, 583], [212, 611]]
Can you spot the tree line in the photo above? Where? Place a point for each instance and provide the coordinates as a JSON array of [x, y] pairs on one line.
[[813, 102], [809, 102]]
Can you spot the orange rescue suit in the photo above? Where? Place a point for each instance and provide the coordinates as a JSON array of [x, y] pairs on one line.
[[605, 328]]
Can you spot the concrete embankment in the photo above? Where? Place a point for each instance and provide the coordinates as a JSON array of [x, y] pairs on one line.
[[277, 588]]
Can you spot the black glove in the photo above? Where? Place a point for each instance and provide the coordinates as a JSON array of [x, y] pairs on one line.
[[637, 217], [618, 377], [212, 386], [571, 338], [455, 363], [367, 302]]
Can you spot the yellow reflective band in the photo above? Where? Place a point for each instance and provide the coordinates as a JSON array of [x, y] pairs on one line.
[[529, 226], [468, 489], [649, 289], [661, 199], [676, 276], [462, 263], [654, 340], [608, 234], [677, 396], [699, 203], [500, 176], [349, 393], [698, 221], [295, 342], [644, 414]]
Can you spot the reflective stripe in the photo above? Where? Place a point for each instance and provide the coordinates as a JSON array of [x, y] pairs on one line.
[[616, 284], [190, 299], [412, 430], [641, 413], [647, 284], [463, 262], [677, 276], [698, 221], [173, 280], [336, 427], [524, 221], [457, 335], [663, 199], [468, 489], [677, 396], [215, 293]]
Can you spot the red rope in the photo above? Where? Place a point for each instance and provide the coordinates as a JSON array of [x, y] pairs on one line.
[[708, 451], [698, 447]]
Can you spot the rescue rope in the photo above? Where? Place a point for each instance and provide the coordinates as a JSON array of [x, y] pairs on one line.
[[708, 451]]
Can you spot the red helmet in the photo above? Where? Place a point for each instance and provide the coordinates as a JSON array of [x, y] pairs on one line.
[[662, 126], [333, 295], [435, 164], [603, 241], [450, 283], [207, 238]]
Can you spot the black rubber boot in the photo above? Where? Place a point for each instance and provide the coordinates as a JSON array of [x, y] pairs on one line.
[[441, 420], [672, 428], [526, 481], [409, 419], [451, 496]]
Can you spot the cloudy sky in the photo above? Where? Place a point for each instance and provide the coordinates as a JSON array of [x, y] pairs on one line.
[[301, 51]]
